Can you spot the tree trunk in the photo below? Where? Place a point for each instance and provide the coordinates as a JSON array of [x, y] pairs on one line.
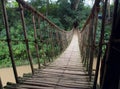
[[47, 8], [108, 9], [74, 4]]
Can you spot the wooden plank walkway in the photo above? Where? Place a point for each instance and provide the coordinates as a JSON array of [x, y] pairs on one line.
[[66, 72]]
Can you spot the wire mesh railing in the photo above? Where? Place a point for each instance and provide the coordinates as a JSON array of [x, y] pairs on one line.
[[40, 40], [87, 39], [96, 52]]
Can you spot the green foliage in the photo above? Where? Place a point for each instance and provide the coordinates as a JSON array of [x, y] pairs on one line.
[[68, 16], [12, 4], [60, 13], [4, 54], [56, 21], [107, 32], [106, 35]]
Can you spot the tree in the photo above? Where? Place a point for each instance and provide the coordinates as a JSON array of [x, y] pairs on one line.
[[47, 8], [71, 12], [74, 4], [108, 5]]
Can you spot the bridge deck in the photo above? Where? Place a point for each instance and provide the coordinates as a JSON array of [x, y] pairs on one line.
[[66, 72]]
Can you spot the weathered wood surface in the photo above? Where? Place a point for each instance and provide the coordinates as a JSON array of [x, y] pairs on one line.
[[66, 72]]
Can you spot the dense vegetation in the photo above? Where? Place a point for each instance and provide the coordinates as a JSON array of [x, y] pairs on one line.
[[63, 13]]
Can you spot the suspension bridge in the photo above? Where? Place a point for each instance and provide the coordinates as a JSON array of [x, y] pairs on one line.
[[73, 65]]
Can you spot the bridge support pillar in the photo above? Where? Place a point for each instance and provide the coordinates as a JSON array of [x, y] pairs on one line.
[[111, 77], [9, 40]]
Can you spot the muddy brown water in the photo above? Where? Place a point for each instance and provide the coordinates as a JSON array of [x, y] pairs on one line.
[[7, 75]]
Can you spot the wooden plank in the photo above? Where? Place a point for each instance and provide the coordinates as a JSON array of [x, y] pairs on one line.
[[66, 72]]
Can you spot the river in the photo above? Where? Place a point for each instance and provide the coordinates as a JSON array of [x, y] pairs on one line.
[[7, 75]]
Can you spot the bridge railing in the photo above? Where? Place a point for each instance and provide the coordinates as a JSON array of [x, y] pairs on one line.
[[91, 49], [87, 41], [41, 39]]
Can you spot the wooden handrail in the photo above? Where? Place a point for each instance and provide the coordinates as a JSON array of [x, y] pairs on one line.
[[96, 5], [30, 8]]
